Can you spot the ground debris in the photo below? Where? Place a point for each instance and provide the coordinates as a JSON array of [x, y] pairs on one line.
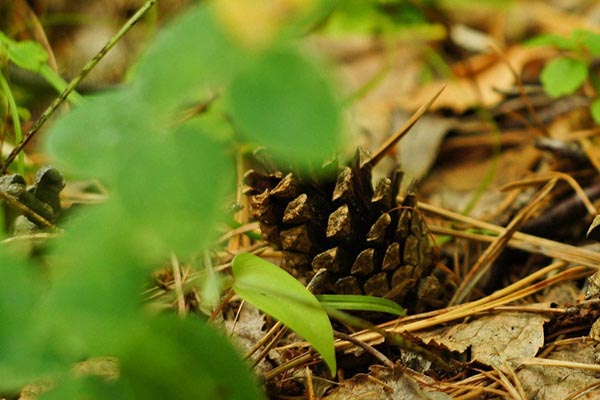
[[383, 384], [549, 383], [493, 339]]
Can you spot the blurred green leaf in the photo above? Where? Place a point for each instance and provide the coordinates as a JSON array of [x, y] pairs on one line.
[[284, 102], [190, 55], [595, 111], [277, 293], [90, 139], [552, 40], [97, 276], [563, 76], [21, 347], [26, 54], [184, 359], [360, 303], [174, 185], [591, 41]]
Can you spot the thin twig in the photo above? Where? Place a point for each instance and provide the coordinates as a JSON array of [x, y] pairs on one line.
[[392, 140], [555, 174], [544, 362], [365, 346], [75, 82], [13, 202], [521, 240], [271, 344]]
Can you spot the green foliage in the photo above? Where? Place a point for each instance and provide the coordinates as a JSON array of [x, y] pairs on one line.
[[302, 111], [271, 289], [563, 75], [567, 73], [360, 303], [169, 181], [31, 56]]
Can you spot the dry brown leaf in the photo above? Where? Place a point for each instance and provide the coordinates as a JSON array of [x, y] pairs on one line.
[[247, 330], [493, 339], [453, 185], [464, 93], [382, 384], [551, 383]]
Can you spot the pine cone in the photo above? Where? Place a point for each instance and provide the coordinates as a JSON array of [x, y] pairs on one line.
[[368, 243]]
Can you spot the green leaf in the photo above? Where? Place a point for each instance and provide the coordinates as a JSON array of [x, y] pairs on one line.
[[595, 111], [184, 359], [591, 41], [27, 54], [201, 52], [21, 357], [168, 358], [277, 293], [563, 76], [552, 40], [175, 184], [284, 102], [96, 280], [90, 139], [360, 303]]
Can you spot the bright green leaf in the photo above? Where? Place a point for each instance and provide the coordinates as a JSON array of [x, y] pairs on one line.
[[360, 303], [27, 54], [277, 293], [563, 76], [592, 43], [595, 111], [284, 102]]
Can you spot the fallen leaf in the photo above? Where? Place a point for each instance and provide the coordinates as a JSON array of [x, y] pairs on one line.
[[550, 383], [494, 339], [480, 90], [382, 384]]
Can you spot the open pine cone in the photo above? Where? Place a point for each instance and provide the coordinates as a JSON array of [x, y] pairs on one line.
[[368, 243]]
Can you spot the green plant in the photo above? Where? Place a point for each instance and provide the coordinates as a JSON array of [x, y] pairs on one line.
[[169, 183], [31, 56], [569, 71]]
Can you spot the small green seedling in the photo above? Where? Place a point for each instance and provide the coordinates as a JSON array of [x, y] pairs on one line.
[[568, 72]]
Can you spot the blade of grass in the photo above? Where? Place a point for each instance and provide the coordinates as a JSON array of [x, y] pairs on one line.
[[14, 116]]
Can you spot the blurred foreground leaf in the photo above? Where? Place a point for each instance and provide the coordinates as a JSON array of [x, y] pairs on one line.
[[283, 101]]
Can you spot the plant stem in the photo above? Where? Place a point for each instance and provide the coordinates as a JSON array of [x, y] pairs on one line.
[[14, 116], [75, 82]]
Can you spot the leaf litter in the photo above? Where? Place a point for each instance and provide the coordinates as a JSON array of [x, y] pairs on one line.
[[477, 137]]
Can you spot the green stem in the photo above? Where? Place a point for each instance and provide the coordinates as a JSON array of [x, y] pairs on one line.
[[14, 116], [75, 82]]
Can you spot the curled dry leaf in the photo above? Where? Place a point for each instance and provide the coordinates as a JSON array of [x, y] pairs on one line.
[[382, 384], [493, 339]]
